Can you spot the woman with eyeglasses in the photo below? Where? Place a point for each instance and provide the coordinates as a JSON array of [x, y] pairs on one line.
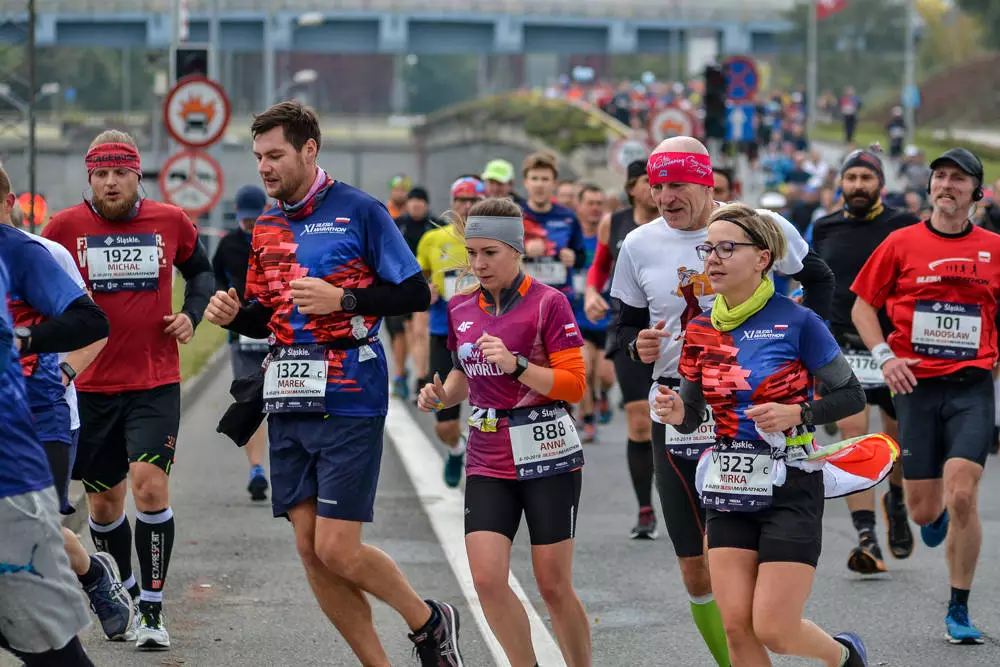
[[753, 359]]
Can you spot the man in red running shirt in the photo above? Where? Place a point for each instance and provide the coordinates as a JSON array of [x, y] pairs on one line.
[[129, 398], [939, 285]]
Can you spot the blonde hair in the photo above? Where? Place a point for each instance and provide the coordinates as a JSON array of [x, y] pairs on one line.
[[760, 228], [492, 207], [114, 137]]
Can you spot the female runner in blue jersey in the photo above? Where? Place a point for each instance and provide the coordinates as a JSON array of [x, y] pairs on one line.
[[753, 359]]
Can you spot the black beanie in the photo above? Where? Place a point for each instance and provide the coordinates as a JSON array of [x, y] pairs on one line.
[[867, 159], [418, 193]]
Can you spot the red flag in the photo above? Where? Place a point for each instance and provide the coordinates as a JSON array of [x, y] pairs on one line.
[[826, 8]]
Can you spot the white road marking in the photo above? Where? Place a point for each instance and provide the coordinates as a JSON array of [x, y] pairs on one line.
[[445, 508]]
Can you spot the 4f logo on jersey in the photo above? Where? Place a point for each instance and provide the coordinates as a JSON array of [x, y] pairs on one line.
[[464, 326]]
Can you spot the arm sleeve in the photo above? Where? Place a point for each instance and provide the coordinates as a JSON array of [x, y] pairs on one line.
[[578, 245], [630, 322], [843, 395], [80, 324], [570, 373], [877, 277], [409, 296], [818, 283], [252, 320], [600, 270], [693, 397], [222, 281], [198, 282]]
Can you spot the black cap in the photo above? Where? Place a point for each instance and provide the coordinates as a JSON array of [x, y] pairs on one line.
[[864, 158], [636, 168], [964, 160], [418, 193]]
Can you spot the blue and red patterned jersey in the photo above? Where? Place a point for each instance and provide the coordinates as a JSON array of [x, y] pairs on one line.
[[348, 239], [770, 358]]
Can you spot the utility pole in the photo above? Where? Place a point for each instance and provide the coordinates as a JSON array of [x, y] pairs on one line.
[[811, 75], [32, 88], [909, 67]]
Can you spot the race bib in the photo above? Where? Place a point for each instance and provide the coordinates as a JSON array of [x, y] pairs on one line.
[[865, 369], [544, 442], [248, 344], [547, 270], [123, 263], [580, 282], [946, 330], [450, 284], [739, 476], [295, 380]]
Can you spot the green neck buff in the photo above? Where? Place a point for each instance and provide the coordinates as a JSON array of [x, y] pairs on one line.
[[725, 318]]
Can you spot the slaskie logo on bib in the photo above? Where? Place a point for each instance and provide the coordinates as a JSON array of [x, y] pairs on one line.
[[474, 364]]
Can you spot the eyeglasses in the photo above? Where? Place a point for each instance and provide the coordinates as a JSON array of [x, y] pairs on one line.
[[722, 249]]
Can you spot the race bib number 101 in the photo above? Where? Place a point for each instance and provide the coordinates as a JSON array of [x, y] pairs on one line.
[[123, 263], [946, 330]]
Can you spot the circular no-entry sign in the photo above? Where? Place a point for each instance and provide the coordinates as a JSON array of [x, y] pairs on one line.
[[192, 180], [196, 112]]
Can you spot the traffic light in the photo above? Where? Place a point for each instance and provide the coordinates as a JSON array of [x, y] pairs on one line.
[[189, 60], [716, 92]]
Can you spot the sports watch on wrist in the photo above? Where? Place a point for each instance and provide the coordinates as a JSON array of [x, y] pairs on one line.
[[633, 352], [24, 335], [522, 365], [67, 370], [806, 412], [348, 302]]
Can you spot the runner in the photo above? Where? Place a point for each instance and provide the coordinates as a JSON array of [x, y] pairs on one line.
[[441, 254], [399, 187], [498, 177], [939, 286], [246, 354], [752, 361], [600, 371], [325, 389], [633, 376], [568, 194], [661, 282], [41, 611], [726, 188], [845, 239], [516, 350], [129, 398]]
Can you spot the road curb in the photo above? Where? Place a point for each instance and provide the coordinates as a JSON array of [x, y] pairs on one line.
[[191, 391]]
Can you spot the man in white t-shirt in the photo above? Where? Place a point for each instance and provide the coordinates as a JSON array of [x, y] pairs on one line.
[[661, 285]]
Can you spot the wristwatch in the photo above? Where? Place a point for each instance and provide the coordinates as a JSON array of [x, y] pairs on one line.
[[806, 411], [348, 302], [68, 370], [24, 334], [522, 365], [632, 352]]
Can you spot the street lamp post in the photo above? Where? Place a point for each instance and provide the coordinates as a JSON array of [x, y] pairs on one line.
[[32, 83]]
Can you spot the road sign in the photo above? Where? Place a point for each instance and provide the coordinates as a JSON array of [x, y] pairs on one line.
[[739, 122], [671, 122], [192, 180], [626, 151], [41, 207], [741, 78], [196, 112]]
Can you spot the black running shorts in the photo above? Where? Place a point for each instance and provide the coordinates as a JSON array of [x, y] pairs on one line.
[[682, 510], [598, 337], [117, 430], [789, 531], [549, 505], [441, 363], [633, 377]]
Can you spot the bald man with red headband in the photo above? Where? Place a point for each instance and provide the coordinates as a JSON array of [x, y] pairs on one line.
[[661, 285]]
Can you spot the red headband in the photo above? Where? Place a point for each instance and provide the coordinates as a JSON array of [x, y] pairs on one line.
[[680, 168], [113, 156]]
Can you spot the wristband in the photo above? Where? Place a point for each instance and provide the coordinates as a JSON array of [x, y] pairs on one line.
[[882, 353]]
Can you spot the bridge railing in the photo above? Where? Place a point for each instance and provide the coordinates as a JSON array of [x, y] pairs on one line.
[[692, 10]]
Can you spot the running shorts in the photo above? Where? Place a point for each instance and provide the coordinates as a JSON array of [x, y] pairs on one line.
[[946, 418], [128, 427], [789, 531], [60, 456], [596, 336], [682, 510], [396, 324], [334, 459], [633, 377], [549, 504], [442, 364], [41, 608]]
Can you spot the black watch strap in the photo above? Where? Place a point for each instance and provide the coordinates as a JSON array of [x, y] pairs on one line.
[[633, 352], [348, 302], [68, 370], [806, 411], [522, 365]]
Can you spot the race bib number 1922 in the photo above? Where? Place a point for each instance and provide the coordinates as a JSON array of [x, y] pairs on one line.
[[123, 263]]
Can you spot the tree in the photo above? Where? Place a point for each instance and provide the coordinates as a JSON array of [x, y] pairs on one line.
[[988, 12], [949, 36], [437, 81]]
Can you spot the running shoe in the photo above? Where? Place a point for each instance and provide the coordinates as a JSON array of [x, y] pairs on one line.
[[933, 534], [960, 628], [857, 655], [603, 409], [437, 645], [399, 388], [258, 483], [866, 558], [109, 600], [151, 634], [645, 529], [898, 526], [589, 432], [453, 466]]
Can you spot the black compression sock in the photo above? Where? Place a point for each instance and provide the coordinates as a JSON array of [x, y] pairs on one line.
[[154, 540], [115, 538], [960, 596], [864, 520], [896, 495], [588, 419], [640, 468], [91, 576], [70, 655]]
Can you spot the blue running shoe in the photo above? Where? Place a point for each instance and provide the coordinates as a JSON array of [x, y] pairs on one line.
[[960, 628], [857, 655], [933, 534], [453, 467], [258, 483], [399, 388], [109, 600]]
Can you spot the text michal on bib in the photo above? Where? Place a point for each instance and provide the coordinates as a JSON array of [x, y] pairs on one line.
[[946, 330], [544, 442], [295, 380], [123, 262]]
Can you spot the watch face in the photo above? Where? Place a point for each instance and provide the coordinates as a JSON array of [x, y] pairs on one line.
[[22, 332]]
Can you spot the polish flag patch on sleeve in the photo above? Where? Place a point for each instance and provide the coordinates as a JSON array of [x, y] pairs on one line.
[[570, 330], [780, 327], [343, 221]]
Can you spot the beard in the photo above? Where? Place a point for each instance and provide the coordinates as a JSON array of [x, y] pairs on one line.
[[859, 208], [114, 210]]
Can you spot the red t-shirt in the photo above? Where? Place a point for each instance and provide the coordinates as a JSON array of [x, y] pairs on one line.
[[128, 265], [940, 293]]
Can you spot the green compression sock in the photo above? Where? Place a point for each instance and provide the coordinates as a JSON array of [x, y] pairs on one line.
[[709, 621]]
